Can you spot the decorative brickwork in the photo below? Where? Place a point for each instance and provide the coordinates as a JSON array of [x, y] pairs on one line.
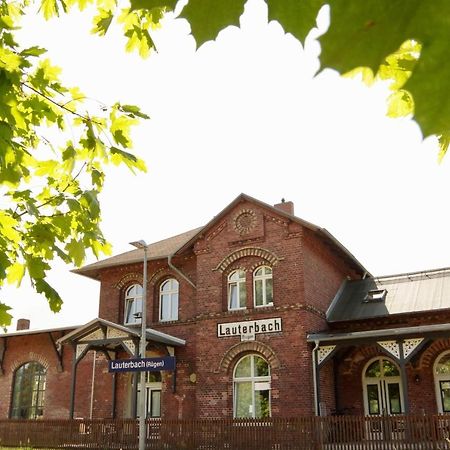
[[244, 221], [32, 356], [160, 274], [248, 347], [428, 357], [128, 279], [267, 255]]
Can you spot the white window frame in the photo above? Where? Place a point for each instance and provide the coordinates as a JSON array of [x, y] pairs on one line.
[[263, 278], [254, 380], [131, 298], [172, 296], [150, 387], [239, 283], [437, 378]]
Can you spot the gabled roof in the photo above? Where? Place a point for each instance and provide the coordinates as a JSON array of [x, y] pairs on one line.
[[322, 232], [84, 331], [156, 250], [180, 243], [395, 294]]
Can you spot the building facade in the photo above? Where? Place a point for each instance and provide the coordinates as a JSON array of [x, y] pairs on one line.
[[266, 315]]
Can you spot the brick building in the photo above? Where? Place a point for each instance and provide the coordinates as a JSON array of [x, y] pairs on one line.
[[265, 314]]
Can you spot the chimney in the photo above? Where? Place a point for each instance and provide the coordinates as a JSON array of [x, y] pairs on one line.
[[22, 324], [287, 207]]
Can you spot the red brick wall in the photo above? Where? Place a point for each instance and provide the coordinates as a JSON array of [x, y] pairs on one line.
[[306, 276], [37, 347]]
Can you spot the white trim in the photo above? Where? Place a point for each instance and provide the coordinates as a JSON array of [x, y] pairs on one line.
[[256, 382], [264, 279], [174, 288], [132, 299], [238, 283]]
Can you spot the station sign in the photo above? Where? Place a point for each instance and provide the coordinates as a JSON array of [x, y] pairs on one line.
[[249, 328], [142, 364]]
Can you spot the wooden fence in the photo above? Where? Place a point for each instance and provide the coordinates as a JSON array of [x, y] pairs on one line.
[[304, 433]]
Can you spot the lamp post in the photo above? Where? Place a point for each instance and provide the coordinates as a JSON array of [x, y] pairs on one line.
[[143, 343]]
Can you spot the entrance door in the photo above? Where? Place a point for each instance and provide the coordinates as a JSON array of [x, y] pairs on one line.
[[153, 386], [382, 388]]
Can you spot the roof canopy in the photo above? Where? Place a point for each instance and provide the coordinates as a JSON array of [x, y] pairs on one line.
[[109, 336]]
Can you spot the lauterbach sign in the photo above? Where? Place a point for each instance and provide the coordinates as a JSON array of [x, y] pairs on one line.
[[142, 364], [249, 328]]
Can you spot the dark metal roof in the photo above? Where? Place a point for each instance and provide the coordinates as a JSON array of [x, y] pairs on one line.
[[405, 293]]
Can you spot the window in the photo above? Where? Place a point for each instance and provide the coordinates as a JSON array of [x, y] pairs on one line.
[[133, 304], [262, 286], [376, 295], [153, 388], [251, 388], [237, 293], [442, 382], [168, 300], [28, 392], [382, 388]]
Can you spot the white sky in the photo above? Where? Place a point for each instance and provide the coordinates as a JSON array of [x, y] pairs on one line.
[[244, 114]]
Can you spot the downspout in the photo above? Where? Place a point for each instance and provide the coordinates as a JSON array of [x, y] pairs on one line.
[[315, 383], [178, 271], [91, 406]]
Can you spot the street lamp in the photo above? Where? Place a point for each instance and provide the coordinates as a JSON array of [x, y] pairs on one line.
[[143, 343]]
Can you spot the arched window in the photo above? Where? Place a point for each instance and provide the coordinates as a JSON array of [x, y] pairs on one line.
[[28, 391], [237, 293], [251, 387], [133, 304], [262, 286], [382, 387], [441, 371], [168, 300]]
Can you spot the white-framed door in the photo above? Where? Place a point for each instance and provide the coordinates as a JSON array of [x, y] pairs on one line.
[[441, 373], [153, 388], [382, 388]]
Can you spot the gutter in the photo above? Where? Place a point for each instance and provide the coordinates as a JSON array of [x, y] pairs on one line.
[[178, 271]]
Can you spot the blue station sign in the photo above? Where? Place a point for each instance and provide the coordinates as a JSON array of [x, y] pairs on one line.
[[142, 364]]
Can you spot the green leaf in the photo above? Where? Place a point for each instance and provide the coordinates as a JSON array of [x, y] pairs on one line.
[[168, 5], [134, 111], [5, 317], [120, 156], [36, 267], [207, 18], [54, 300], [102, 22], [4, 264], [444, 143], [364, 33], [76, 251], [296, 17], [33, 51], [16, 272], [49, 8]]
